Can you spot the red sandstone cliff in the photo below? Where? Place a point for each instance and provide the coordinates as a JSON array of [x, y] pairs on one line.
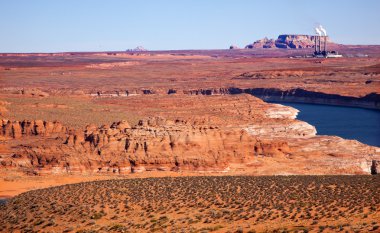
[[290, 147], [153, 144]]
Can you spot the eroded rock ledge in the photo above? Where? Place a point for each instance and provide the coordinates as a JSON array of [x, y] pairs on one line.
[[300, 95], [158, 144], [153, 144]]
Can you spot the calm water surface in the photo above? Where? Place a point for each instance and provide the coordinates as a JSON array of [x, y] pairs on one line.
[[347, 122]]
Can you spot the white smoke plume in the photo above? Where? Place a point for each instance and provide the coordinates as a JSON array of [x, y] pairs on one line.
[[321, 29], [318, 31]]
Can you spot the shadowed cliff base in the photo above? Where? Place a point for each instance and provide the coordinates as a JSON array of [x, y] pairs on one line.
[[371, 101]]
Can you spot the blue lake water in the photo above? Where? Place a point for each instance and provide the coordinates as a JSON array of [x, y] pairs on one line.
[[347, 122]]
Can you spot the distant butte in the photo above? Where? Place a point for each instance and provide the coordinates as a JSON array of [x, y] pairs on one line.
[[137, 49], [287, 41]]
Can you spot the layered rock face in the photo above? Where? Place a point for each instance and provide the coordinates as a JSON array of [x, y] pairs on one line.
[[16, 129], [153, 144], [371, 100], [156, 144], [238, 133], [287, 41]]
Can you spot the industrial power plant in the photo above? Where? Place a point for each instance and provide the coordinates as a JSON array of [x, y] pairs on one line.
[[320, 46]]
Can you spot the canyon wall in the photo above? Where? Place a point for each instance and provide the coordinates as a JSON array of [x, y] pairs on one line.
[[303, 96], [297, 95], [269, 141], [153, 144]]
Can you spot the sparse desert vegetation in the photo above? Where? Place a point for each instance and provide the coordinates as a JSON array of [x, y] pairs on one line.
[[201, 204]]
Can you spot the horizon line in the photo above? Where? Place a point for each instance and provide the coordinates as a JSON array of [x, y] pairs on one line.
[[168, 50]]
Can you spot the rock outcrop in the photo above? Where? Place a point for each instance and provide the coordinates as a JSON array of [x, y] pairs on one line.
[[234, 134], [375, 167], [3, 107], [263, 43], [158, 144], [137, 49], [287, 41], [296, 129], [17, 129], [153, 144], [300, 95]]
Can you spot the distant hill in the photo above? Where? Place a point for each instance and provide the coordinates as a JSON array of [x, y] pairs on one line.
[[288, 41], [137, 49]]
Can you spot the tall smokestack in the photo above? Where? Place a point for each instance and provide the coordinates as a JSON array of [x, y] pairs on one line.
[[319, 33], [315, 46]]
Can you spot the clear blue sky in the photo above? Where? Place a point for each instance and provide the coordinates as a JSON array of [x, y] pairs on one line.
[[103, 25]]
